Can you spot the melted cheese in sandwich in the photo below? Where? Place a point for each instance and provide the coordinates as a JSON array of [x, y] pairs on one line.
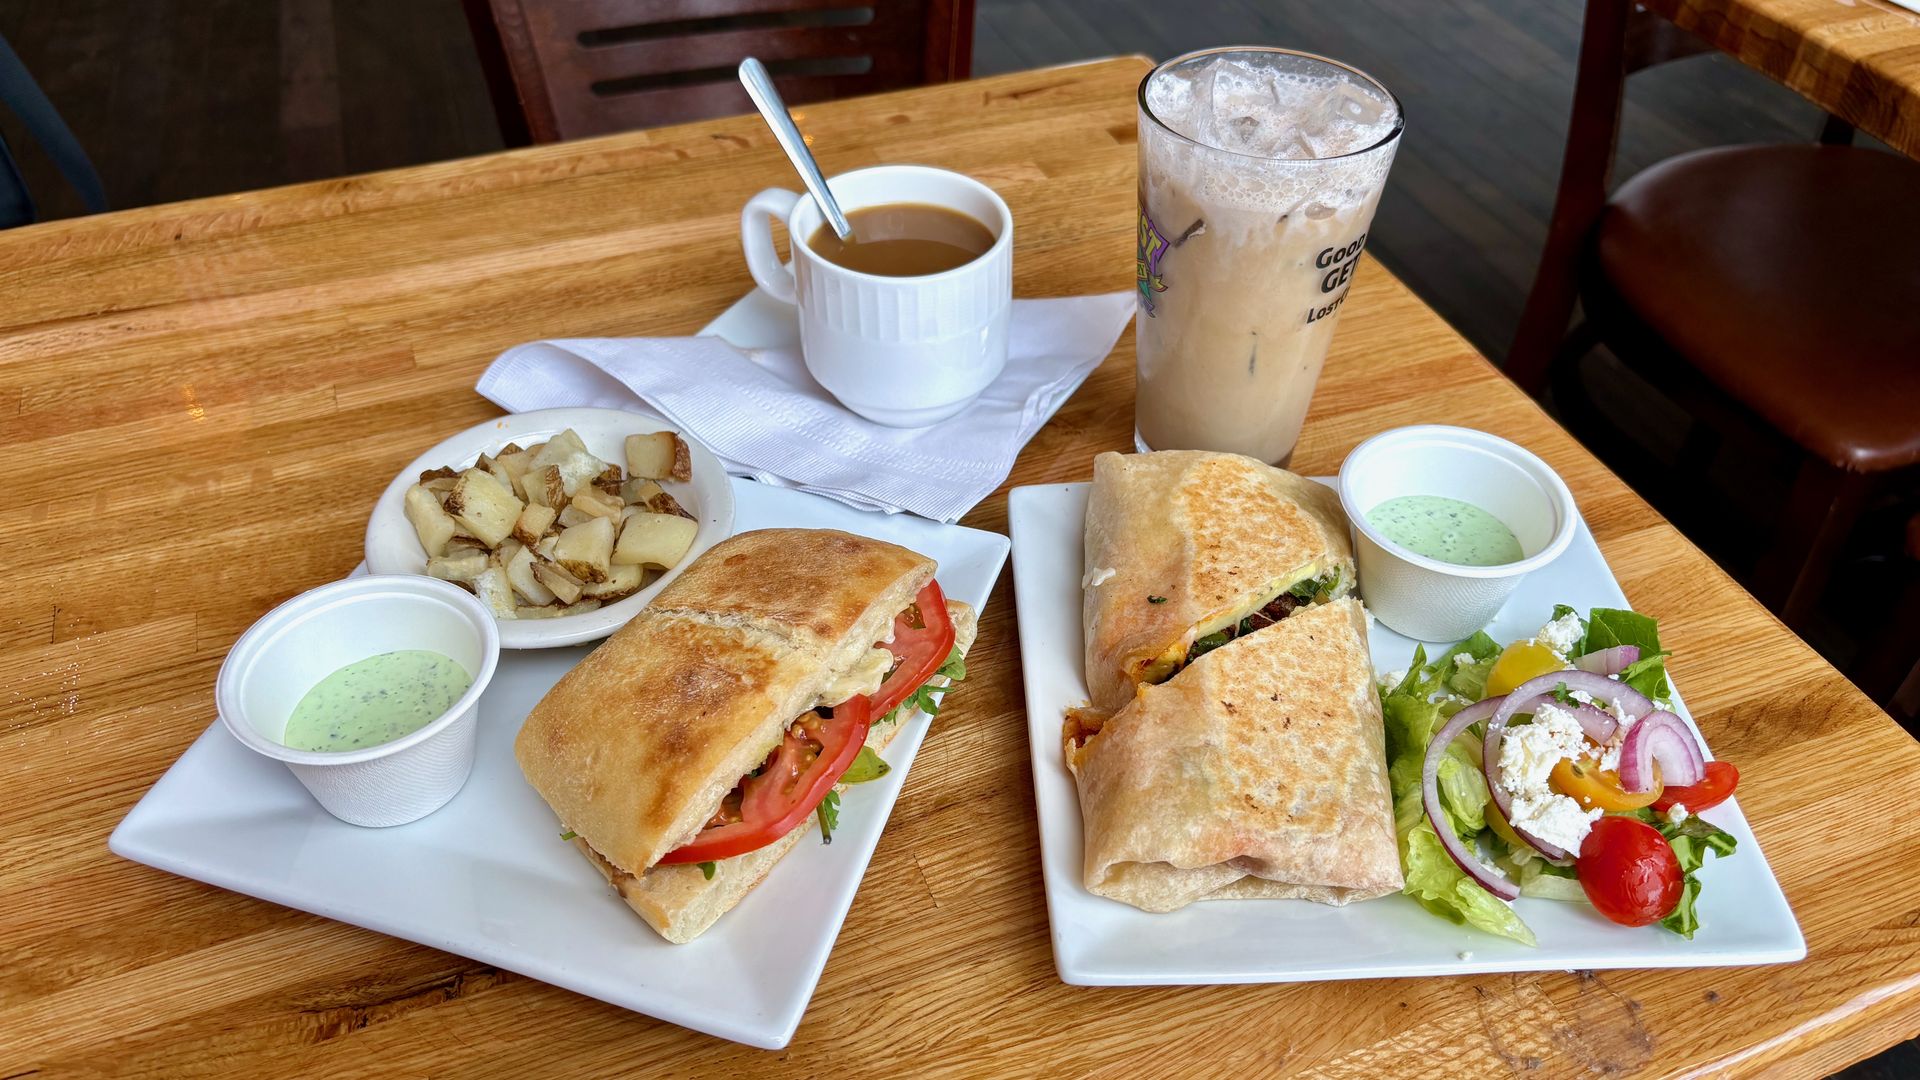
[[1162, 667], [865, 677]]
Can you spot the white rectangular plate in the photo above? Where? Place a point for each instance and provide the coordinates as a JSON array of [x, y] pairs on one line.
[[488, 877], [1100, 942]]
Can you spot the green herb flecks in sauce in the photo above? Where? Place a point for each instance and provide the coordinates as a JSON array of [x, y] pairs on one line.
[[1446, 529], [376, 700]]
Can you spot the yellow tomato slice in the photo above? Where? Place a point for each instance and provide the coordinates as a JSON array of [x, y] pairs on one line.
[[1581, 780], [1521, 661], [1498, 823]]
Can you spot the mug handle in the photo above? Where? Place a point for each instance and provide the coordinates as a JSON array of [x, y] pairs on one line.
[[756, 239]]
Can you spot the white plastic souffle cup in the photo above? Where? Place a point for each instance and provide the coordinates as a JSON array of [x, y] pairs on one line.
[[317, 633], [900, 351], [1425, 598]]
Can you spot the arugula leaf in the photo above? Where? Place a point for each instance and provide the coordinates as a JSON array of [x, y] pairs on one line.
[[1156, 599], [568, 835], [1607, 627], [1320, 588], [868, 766], [706, 868], [829, 815], [927, 697]]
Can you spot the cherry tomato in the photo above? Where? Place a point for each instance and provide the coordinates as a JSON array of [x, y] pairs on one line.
[[1629, 871], [1521, 661], [1581, 780], [1719, 783]]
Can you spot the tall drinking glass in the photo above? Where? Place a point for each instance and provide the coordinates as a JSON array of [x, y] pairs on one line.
[[1259, 173]]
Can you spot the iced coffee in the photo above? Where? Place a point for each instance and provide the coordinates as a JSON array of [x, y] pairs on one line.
[[1259, 173]]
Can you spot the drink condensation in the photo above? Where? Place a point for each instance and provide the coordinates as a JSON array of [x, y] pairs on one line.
[[1259, 173]]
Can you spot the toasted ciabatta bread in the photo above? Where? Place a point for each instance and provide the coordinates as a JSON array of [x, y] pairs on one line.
[[635, 747], [681, 902]]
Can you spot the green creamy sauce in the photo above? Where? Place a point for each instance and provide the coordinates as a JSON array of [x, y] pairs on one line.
[[376, 700], [1446, 529]]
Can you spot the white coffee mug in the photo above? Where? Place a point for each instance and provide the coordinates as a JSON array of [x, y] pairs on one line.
[[900, 351]]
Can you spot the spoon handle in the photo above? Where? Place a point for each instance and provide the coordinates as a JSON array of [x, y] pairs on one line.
[[759, 84]]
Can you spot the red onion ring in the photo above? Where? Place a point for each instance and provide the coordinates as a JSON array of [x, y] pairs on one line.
[[1503, 709], [1663, 738], [1611, 661], [1487, 878], [1598, 725], [1599, 687]]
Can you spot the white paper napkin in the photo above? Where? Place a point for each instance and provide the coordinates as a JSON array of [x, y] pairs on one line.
[[765, 417]]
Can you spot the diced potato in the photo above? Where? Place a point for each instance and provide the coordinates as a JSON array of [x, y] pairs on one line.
[[462, 544], [515, 461], [651, 456], [551, 611], [664, 503], [533, 523], [463, 567], [580, 607], [566, 452], [483, 506], [507, 550], [608, 481], [543, 487], [593, 501], [520, 575], [571, 516], [494, 469], [439, 485], [545, 547], [510, 448], [638, 490], [441, 473], [431, 523], [585, 549], [494, 591], [654, 540], [564, 585], [622, 582]]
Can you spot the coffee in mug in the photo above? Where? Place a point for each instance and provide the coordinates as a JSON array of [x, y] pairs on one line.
[[904, 240]]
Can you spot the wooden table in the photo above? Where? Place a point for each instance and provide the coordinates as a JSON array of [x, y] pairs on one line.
[[1857, 59], [201, 401]]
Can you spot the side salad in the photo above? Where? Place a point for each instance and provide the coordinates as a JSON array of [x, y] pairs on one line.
[[1559, 757]]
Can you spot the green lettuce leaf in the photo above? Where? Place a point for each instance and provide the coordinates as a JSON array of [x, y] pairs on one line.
[[1691, 840], [1607, 627], [1436, 884], [868, 766], [706, 870]]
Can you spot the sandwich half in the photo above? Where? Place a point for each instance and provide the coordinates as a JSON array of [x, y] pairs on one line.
[[1187, 549], [693, 749], [1258, 771]]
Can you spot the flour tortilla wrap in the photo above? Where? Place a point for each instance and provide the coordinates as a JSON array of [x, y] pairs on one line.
[[1183, 543], [1258, 771]]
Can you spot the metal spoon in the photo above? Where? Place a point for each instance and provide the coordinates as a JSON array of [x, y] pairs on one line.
[[759, 84]]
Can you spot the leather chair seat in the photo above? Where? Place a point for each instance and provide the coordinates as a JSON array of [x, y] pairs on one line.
[[1789, 276]]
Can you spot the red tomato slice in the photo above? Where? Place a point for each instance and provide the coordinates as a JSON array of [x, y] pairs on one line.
[[1719, 783], [791, 783], [1629, 871], [922, 640]]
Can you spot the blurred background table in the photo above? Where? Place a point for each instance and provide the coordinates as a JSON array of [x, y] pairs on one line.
[[203, 399]]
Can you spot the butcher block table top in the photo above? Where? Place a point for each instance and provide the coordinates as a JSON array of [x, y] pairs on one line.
[[201, 401]]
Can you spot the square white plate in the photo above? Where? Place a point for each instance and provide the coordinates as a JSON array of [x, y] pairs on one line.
[[1101, 942], [488, 877]]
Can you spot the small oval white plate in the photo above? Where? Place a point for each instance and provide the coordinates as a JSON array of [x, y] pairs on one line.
[[394, 548]]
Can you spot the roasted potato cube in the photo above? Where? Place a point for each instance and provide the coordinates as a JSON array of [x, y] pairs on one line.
[[515, 462], [580, 607], [585, 549], [545, 547], [520, 575], [507, 550], [638, 490], [651, 456], [654, 540], [570, 516], [460, 545], [664, 503], [593, 501], [533, 522], [551, 611], [543, 487], [439, 485], [441, 473], [431, 523], [510, 448], [463, 567], [496, 470], [608, 482], [483, 506], [622, 582], [564, 585], [490, 585], [566, 452]]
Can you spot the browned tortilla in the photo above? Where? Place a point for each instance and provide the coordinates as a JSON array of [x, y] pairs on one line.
[[1212, 536], [1258, 771]]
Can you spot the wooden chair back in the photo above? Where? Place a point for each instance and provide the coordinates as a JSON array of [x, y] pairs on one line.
[[565, 69]]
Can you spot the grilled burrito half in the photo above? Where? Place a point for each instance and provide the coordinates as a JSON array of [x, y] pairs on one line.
[[1258, 771], [690, 751], [1186, 549]]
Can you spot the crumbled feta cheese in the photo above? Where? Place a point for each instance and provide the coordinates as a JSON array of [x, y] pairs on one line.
[[1528, 754], [1676, 814], [1461, 659], [1097, 576], [1392, 678], [1610, 757], [1466, 954], [1561, 634]]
